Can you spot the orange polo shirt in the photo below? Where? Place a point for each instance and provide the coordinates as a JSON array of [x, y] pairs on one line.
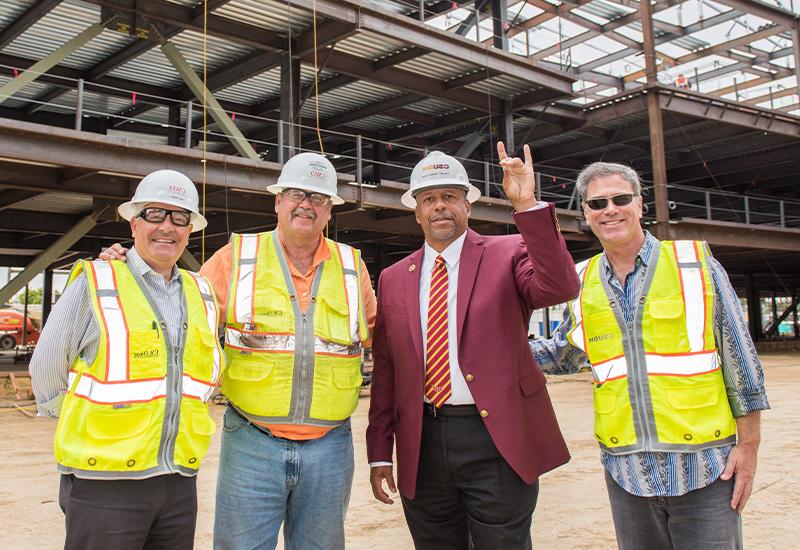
[[218, 270]]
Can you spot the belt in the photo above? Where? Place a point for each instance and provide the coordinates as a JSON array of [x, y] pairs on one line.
[[449, 410]]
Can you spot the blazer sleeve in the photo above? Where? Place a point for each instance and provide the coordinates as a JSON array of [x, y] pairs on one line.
[[544, 270], [380, 430]]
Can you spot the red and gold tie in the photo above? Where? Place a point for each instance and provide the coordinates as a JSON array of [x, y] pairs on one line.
[[437, 362]]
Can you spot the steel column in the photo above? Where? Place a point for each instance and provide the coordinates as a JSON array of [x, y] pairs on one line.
[[499, 24], [50, 61], [656, 124], [506, 127], [47, 257], [47, 294], [79, 106], [188, 138], [753, 307], [290, 103], [796, 50], [216, 111]]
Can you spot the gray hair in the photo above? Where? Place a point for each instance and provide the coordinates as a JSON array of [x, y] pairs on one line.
[[604, 169]]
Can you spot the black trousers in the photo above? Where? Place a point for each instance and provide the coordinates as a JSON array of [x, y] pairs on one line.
[[467, 495], [143, 514]]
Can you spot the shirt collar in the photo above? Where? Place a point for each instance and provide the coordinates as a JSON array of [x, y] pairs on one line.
[[644, 254], [137, 264], [451, 254]]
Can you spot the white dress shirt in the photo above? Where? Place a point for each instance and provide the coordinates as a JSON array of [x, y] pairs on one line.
[[452, 256]]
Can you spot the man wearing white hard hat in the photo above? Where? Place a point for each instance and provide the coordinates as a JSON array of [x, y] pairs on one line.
[[298, 309], [127, 361], [454, 381]]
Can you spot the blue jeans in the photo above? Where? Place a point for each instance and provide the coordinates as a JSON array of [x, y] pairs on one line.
[[264, 481], [699, 520]]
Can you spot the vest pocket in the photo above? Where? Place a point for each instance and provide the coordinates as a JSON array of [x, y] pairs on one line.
[[124, 440], [146, 349], [249, 367], [336, 388], [669, 324], [694, 397], [332, 320], [194, 436], [110, 426]]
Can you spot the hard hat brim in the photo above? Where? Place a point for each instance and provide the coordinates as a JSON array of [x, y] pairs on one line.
[[276, 188], [409, 200], [129, 210]]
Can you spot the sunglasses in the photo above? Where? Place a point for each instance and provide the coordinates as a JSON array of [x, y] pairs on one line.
[[298, 196], [180, 218], [601, 203]]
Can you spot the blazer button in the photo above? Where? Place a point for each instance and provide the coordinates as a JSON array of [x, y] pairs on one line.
[[469, 378], [484, 413]]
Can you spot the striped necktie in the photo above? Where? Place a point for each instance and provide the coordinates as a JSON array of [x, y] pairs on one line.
[[437, 350]]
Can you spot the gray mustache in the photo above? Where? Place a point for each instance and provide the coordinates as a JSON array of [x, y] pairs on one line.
[[304, 212]]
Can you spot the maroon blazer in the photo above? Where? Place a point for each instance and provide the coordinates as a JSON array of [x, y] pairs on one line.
[[501, 279]]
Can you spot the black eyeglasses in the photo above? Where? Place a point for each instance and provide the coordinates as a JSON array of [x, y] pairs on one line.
[[298, 195], [601, 203], [180, 218]]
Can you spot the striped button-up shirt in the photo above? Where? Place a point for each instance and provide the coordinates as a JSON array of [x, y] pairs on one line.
[[666, 473], [72, 331]]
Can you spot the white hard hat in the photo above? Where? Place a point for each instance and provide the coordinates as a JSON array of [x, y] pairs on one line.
[[438, 170], [310, 172], [167, 187]]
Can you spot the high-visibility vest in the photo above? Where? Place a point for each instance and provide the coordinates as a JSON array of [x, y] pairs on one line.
[[140, 409], [286, 366], [657, 387]]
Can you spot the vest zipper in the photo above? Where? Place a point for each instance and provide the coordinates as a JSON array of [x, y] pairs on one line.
[[170, 408], [303, 390]]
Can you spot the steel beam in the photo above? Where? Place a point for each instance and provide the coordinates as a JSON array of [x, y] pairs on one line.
[[43, 260], [26, 20], [204, 94], [50, 61], [189, 260]]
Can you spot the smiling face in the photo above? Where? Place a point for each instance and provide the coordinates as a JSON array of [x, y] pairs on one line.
[[301, 220], [614, 225], [160, 244], [443, 214]]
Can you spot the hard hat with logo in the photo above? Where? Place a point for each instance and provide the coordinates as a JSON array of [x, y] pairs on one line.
[[438, 170], [310, 172], [166, 187]]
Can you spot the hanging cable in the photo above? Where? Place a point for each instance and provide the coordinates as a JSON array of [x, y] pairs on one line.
[[316, 78], [205, 128]]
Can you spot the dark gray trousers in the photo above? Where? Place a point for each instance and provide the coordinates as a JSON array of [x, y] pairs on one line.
[[143, 514], [466, 492], [699, 520]]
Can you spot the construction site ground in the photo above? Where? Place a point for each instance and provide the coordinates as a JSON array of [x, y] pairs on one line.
[[572, 512]]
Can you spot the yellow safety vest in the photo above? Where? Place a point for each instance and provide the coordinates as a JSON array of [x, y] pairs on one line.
[[658, 387], [286, 366], [140, 408]]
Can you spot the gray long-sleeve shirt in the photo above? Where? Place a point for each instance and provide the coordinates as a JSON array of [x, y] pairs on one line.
[[72, 331]]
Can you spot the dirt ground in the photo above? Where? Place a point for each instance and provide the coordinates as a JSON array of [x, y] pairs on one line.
[[572, 512]]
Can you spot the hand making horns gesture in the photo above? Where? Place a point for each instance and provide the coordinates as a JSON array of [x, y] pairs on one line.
[[519, 181]]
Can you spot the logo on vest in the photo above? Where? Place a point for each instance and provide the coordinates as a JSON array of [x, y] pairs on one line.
[[145, 354], [274, 313], [601, 337]]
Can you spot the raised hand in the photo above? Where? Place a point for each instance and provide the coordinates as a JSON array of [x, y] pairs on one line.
[[519, 182]]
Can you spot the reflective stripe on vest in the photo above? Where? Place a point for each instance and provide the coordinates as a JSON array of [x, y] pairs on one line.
[[659, 386], [283, 343], [140, 391]]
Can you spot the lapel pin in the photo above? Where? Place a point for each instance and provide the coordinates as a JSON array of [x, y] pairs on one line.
[[412, 267]]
